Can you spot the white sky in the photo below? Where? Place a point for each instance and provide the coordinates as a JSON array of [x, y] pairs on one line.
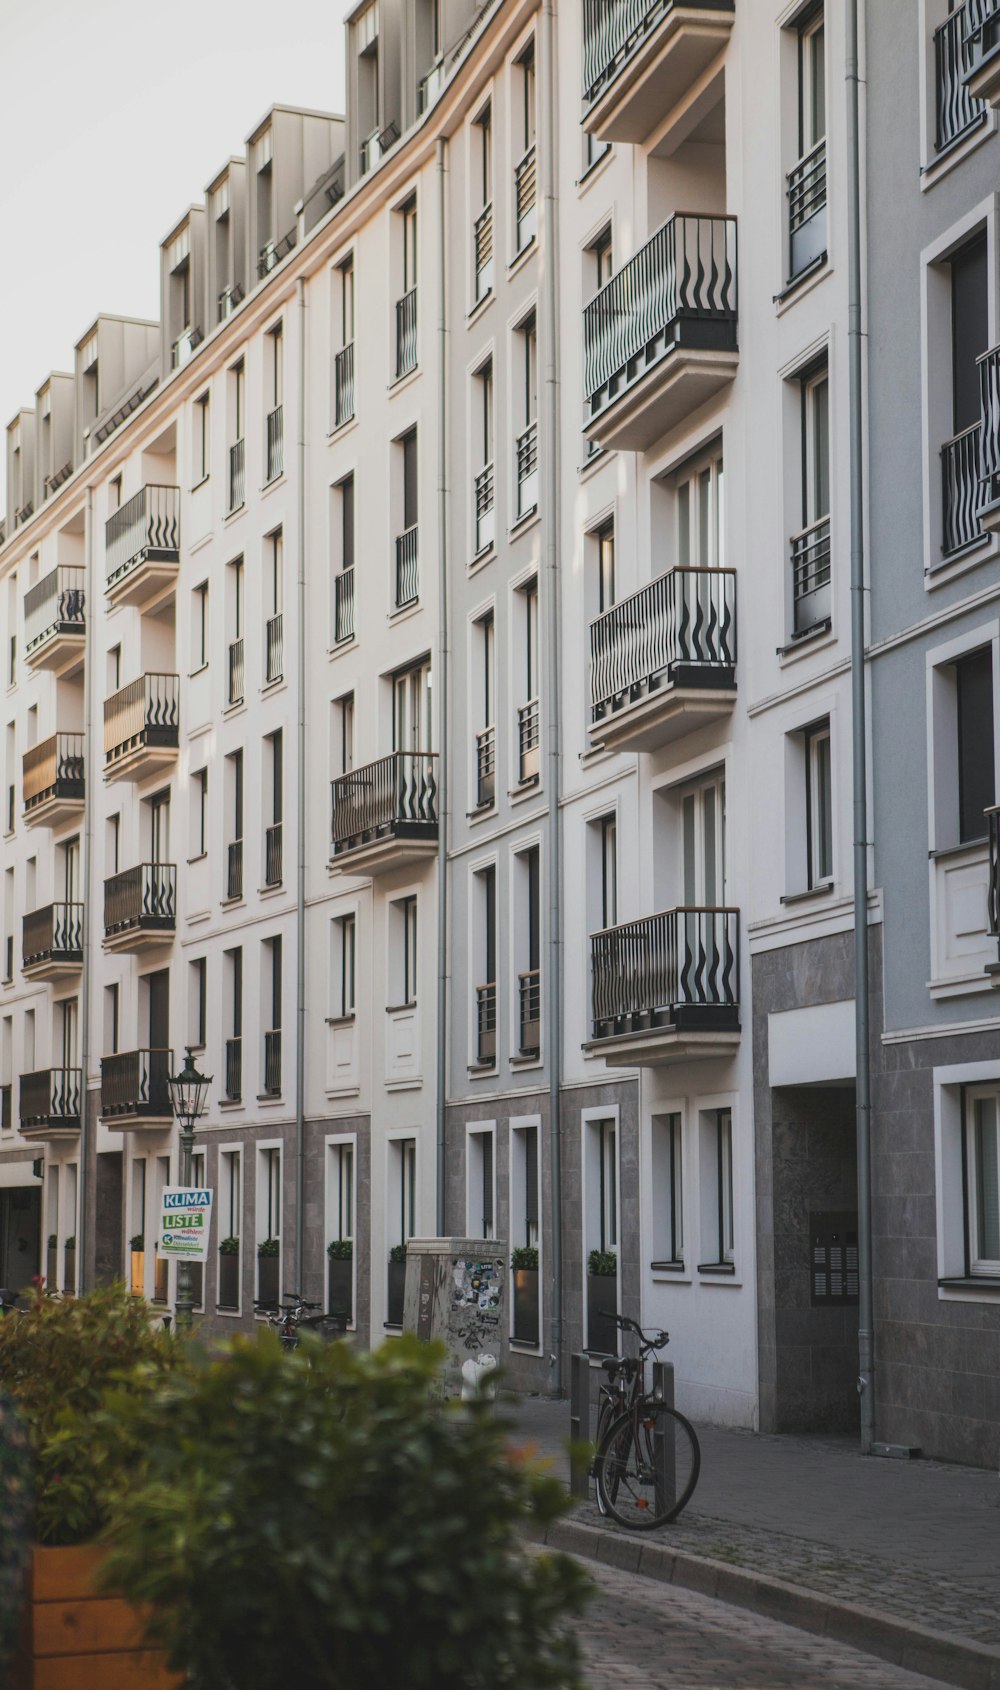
[[114, 115]]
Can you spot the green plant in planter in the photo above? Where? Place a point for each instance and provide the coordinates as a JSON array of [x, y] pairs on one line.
[[269, 1247], [397, 1253], [342, 1250], [602, 1264], [137, 1244], [71, 1243], [312, 1513], [524, 1258], [53, 1241], [231, 1247]]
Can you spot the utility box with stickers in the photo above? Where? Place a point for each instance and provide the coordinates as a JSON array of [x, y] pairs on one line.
[[456, 1291]]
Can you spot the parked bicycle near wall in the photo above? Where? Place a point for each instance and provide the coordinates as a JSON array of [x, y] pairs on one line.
[[648, 1457], [292, 1316]]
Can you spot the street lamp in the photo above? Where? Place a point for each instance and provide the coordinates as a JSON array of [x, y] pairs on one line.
[[188, 1095]]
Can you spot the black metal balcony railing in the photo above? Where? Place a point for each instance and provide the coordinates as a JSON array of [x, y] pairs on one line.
[[989, 426], [187, 342], [234, 1069], [272, 1063], [961, 491], [237, 475], [54, 768], [407, 568], [24, 513], [236, 675], [343, 609], [234, 869], [528, 740], [272, 855], [486, 1023], [146, 528], [141, 900], [51, 1097], [526, 449], [613, 29], [811, 597], [274, 653], [143, 714], [394, 797], [958, 111], [54, 481], [134, 1082], [680, 629], [993, 884], [525, 197], [806, 189], [529, 995], [54, 605], [275, 452], [486, 768], [485, 517], [52, 934], [676, 969], [343, 385], [679, 288], [406, 333], [483, 249], [229, 298], [272, 252]]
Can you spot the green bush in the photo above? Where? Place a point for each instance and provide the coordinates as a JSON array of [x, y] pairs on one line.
[[340, 1249], [525, 1257], [137, 1243], [397, 1253], [71, 1243], [229, 1247], [315, 1519], [269, 1247], [57, 1361], [53, 1241], [602, 1264]]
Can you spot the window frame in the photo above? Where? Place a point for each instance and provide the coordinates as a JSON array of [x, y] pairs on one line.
[[976, 1265]]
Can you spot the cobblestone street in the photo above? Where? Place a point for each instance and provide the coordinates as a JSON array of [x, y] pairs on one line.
[[639, 1635]]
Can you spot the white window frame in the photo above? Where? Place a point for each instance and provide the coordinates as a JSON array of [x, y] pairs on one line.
[[262, 1201], [668, 1162], [951, 1084], [479, 1134], [719, 1190], [517, 1207], [335, 1146], [235, 1149]]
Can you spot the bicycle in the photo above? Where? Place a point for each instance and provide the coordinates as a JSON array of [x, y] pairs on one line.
[[290, 1316], [648, 1456]]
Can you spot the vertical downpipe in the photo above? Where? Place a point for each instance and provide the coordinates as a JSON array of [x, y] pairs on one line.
[[866, 1336], [89, 763], [441, 687], [550, 602], [300, 844]]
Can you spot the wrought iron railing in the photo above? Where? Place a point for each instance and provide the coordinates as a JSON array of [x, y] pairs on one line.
[[958, 111], [275, 443], [397, 795], [525, 195], [681, 627], [529, 997], [54, 605], [144, 713], [343, 385], [343, 607], [482, 238], [237, 475], [272, 855], [134, 1082], [24, 513], [234, 1069], [406, 333], [526, 451], [961, 491], [141, 899], [272, 1062], [52, 934], [811, 594], [274, 648], [272, 252], [147, 526], [52, 1096], [234, 869], [486, 1023], [989, 426], [54, 768], [236, 675], [681, 966], [993, 884], [486, 767], [613, 29], [684, 275], [54, 481], [528, 738], [229, 298], [485, 517], [407, 568]]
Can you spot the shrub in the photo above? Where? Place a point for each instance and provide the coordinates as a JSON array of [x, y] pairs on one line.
[[137, 1243], [57, 1361], [229, 1247], [315, 1519], [525, 1257], [602, 1264], [340, 1249], [71, 1243], [269, 1247], [397, 1253], [53, 1241]]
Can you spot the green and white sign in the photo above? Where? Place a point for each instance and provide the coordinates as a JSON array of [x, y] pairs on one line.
[[185, 1223]]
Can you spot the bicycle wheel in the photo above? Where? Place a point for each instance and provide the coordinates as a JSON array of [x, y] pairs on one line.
[[607, 1474], [647, 1466]]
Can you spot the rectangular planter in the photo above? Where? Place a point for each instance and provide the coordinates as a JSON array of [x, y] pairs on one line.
[[73, 1639], [229, 1282], [52, 1269], [397, 1292], [69, 1272], [602, 1293], [340, 1288], [268, 1278], [526, 1326], [137, 1275]]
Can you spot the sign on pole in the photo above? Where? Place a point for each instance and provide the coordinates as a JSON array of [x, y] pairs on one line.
[[185, 1223]]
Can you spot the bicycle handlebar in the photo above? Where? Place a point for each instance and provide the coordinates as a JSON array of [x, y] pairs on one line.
[[625, 1323]]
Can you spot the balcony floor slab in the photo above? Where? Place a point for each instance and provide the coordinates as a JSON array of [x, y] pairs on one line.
[[381, 856], [53, 967], [661, 1047], [54, 811], [662, 716], [140, 938], [51, 1132], [137, 1123], [682, 380], [148, 579], [61, 652], [984, 83], [658, 72], [141, 762]]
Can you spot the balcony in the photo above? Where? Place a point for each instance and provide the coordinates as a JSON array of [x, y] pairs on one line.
[[134, 1091], [526, 453], [663, 661], [272, 854], [486, 526], [272, 252], [384, 816], [53, 780], [140, 907], [343, 609], [525, 200], [482, 237], [406, 334], [810, 559], [228, 300], [666, 989], [54, 626], [486, 768], [142, 546], [275, 449], [962, 492], [958, 112], [660, 336], [51, 1102], [979, 57], [529, 1012], [141, 727], [274, 649], [237, 476], [184, 347], [989, 439], [52, 942], [343, 386], [234, 870], [486, 1025], [407, 582], [641, 57], [806, 192]]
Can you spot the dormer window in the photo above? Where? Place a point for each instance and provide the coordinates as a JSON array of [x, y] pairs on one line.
[[179, 297]]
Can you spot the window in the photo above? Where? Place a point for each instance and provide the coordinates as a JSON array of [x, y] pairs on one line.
[[199, 813], [274, 442], [274, 594], [703, 832], [604, 540], [235, 610], [405, 957], [523, 122], [961, 488], [346, 274], [717, 1190], [271, 990], [411, 709], [602, 260], [237, 449], [343, 734], [819, 806], [229, 1194], [528, 717], [407, 577], [198, 1002], [484, 680], [201, 417], [480, 1195], [526, 417], [343, 560], [343, 966], [482, 424], [484, 885], [608, 1131], [233, 976], [406, 305], [668, 1191], [982, 1181], [528, 950], [482, 199], [234, 804], [269, 1195], [976, 776], [199, 627], [524, 1202], [403, 1188], [342, 1191], [810, 547], [609, 871], [343, 364], [111, 1020], [807, 179]]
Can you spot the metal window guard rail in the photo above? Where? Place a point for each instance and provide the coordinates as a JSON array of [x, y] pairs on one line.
[[961, 490], [680, 965], [993, 885], [684, 620], [806, 186], [486, 763], [528, 739], [272, 855], [145, 712], [234, 1069], [958, 111], [272, 1062], [50, 1095], [274, 654], [229, 298], [529, 994], [146, 526], [343, 608], [486, 1022], [483, 248], [55, 604], [343, 385], [989, 425], [526, 449], [54, 481], [406, 333], [53, 765], [685, 273], [396, 794], [141, 897], [236, 671], [407, 568], [134, 1082], [6, 1107], [275, 443], [54, 931], [485, 521], [234, 869], [810, 560], [237, 475], [272, 252], [525, 195]]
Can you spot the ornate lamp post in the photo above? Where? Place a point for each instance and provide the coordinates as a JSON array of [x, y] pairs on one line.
[[188, 1095]]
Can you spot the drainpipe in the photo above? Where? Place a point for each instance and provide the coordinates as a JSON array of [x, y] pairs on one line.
[[550, 602], [866, 1338], [441, 684], [300, 867], [82, 1224]]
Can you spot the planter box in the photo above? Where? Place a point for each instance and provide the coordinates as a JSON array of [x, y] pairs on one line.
[[137, 1275], [229, 1282], [73, 1639], [161, 1278], [268, 1278], [602, 1293], [397, 1292], [340, 1288], [69, 1272], [52, 1269], [526, 1326]]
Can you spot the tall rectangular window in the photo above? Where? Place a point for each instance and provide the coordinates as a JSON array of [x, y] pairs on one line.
[[198, 1001], [199, 626], [480, 1204], [605, 543], [343, 560], [199, 813], [969, 328], [717, 1230], [343, 966], [810, 547], [976, 769], [202, 438], [819, 805], [269, 1208], [668, 1191], [609, 871], [343, 734], [404, 913], [982, 1181]]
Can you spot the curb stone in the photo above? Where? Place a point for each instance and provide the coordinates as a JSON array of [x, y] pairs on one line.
[[971, 1666]]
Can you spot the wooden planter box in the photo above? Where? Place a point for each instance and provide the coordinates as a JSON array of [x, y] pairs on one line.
[[526, 1305], [397, 1294], [602, 1293], [229, 1282], [137, 1276], [73, 1639], [340, 1288], [268, 1276]]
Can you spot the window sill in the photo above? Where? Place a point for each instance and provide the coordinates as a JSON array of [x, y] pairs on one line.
[[267, 1100], [956, 151], [271, 891], [809, 638], [482, 814], [231, 516], [668, 1267], [391, 1326], [402, 612], [400, 1008], [521, 257], [796, 285], [522, 1348], [233, 903], [234, 709], [594, 462], [976, 846], [480, 307], [725, 1269], [823, 891], [523, 523], [200, 670], [481, 559], [272, 686], [532, 1059], [399, 382], [338, 429], [200, 483], [229, 1105], [971, 1282], [229, 1314], [593, 170], [942, 574], [527, 789], [341, 1020], [482, 1070], [199, 857], [340, 646], [275, 481]]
